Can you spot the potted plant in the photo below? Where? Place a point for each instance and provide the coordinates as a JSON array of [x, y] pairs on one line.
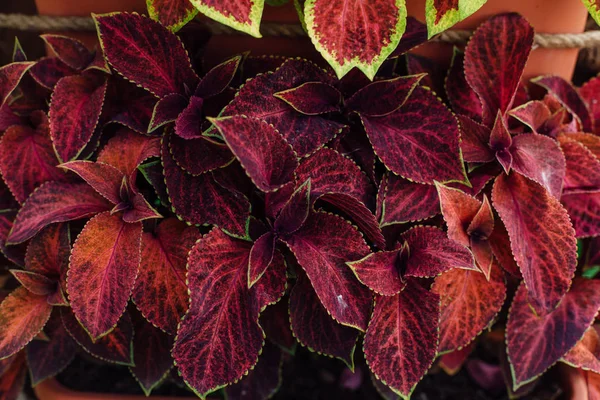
[[193, 225]]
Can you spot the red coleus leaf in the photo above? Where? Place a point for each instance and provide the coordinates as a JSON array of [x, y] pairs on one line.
[[48, 253], [218, 78], [590, 141], [265, 155], [452, 362], [312, 98], [202, 200], [242, 15], [115, 347], [189, 122], [152, 355], [475, 141], [47, 71], [305, 133], [15, 254], [534, 114], [55, 202], [443, 14], [542, 238], [535, 342], [166, 110], [47, 358], [383, 97], [322, 246], [586, 353], [35, 283], [162, 274], [566, 94], [539, 158], [419, 141], [381, 271], [435, 73], [171, 14], [494, 61], [584, 210], [8, 118], [582, 167], [275, 321], [22, 316], [414, 35], [588, 94], [469, 304], [104, 178], [199, 155], [263, 381], [223, 309], [12, 381], [69, 50], [127, 150], [315, 329], [400, 343], [27, 160], [500, 244], [463, 99], [74, 113], [405, 201], [103, 267], [294, 213], [129, 105], [261, 256], [10, 76], [334, 26], [141, 50]]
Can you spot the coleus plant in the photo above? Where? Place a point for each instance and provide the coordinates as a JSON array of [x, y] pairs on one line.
[[294, 208], [332, 25]]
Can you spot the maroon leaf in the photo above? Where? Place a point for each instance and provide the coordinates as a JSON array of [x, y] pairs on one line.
[[104, 178], [333, 27], [202, 200], [261, 256], [305, 133], [22, 316], [381, 271], [312, 98], [500, 243], [130, 106], [47, 358], [103, 266], [275, 320], [540, 159], [435, 73], [222, 310], [469, 304], [142, 50], [15, 254], [12, 382], [400, 343], [74, 113], [383, 97], [541, 238], [534, 114], [588, 94], [419, 141], [173, 14], [294, 213], [568, 97], [315, 329], [582, 167], [69, 50], [475, 141], [218, 78], [585, 353], [452, 362], [463, 99], [404, 201], [127, 150], [458, 209], [414, 35], [431, 253], [265, 155], [166, 110], [27, 160], [152, 355], [494, 61], [189, 122], [162, 274], [47, 71], [584, 210], [322, 246], [263, 381], [10, 76], [200, 155], [35, 283], [55, 202], [116, 347], [534, 343]]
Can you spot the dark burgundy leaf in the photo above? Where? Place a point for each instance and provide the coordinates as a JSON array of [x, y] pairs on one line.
[[69, 50], [10, 76], [166, 110], [200, 155], [218, 78], [312, 98], [405, 201], [294, 213], [463, 99], [47, 71], [383, 97], [261, 256]]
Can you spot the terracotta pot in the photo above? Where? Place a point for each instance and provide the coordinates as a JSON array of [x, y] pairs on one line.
[[84, 8], [51, 389], [546, 16]]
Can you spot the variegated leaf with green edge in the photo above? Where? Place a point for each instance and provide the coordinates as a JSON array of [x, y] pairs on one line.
[[443, 14], [243, 15]]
